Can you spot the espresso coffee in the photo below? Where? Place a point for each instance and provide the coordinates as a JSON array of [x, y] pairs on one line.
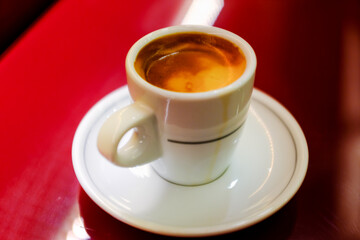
[[190, 62]]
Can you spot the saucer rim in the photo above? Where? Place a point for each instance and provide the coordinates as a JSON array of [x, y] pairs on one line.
[[295, 182]]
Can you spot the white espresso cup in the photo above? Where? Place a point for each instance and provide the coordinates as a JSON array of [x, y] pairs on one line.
[[189, 138]]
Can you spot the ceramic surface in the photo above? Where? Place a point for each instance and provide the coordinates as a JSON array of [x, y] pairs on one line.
[[268, 168], [190, 135]]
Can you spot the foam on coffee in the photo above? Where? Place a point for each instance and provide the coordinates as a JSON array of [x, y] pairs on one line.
[[190, 62]]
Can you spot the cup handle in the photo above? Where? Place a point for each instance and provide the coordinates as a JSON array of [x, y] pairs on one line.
[[141, 148]]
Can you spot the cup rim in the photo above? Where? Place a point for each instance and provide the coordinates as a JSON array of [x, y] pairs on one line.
[[245, 47]]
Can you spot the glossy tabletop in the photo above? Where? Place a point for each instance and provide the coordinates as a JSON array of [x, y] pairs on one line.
[[308, 59]]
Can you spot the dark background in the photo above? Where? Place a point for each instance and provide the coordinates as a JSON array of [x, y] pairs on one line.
[[16, 16]]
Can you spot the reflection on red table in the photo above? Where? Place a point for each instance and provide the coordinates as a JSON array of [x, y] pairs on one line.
[[308, 57]]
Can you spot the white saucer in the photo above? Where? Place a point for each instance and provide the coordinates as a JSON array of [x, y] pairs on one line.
[[268, 168]]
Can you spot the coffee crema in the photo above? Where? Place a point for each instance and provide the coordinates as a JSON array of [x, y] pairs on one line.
[[190, 62]]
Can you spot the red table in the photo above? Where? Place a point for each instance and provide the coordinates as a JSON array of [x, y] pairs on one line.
[[308, 58]]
